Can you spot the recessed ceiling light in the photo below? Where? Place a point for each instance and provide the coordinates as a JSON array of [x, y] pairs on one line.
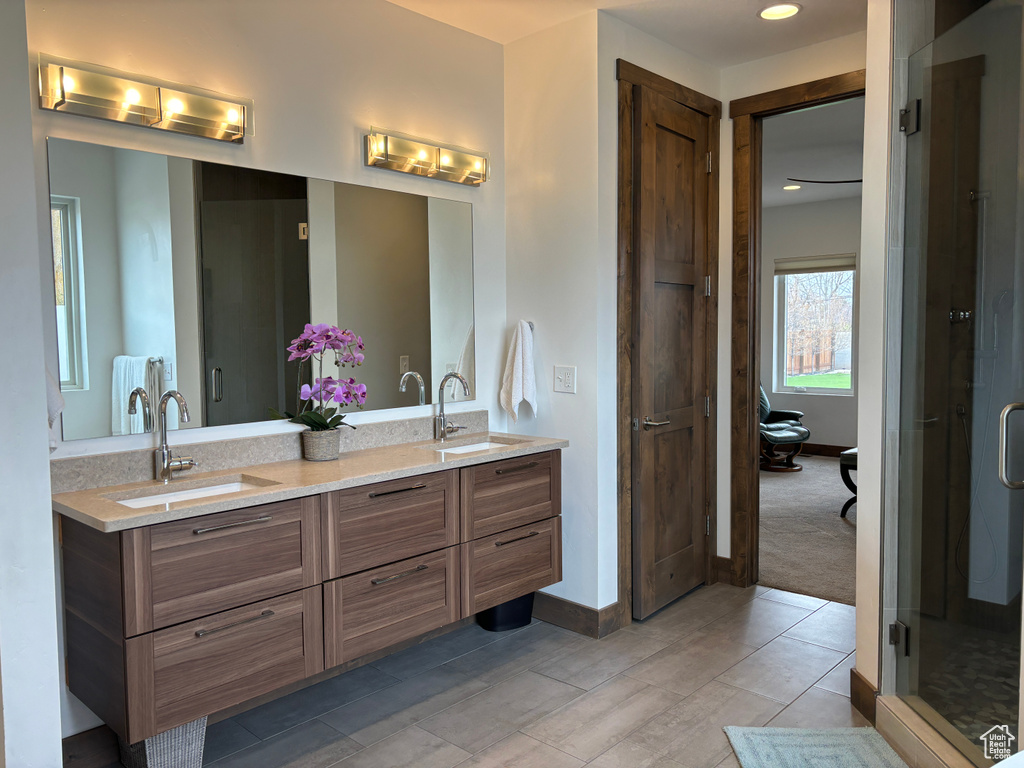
[[791, 187], [780, 11]]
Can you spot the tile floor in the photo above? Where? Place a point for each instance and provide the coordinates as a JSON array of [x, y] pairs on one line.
[[654, 695]]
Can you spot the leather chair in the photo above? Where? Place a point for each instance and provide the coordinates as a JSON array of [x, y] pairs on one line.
[[781, 428]]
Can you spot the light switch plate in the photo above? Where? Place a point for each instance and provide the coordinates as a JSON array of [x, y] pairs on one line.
[[403, 364], [565, 379], [168, 371]]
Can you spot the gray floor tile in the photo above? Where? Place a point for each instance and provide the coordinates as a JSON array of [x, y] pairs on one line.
[[686, 616], [310, 745], [757, 622], [596, 721], [521, 751], [440, 650], [792, 598], [819, 708], [225, 738], [838, 680], [499, 711], [721, 591], [411, 748], [690, 663], [288, 711], [783, 669], [691, 732], [832, 626], [393, 709], [729, 762], [628, 755], [597, 662], [519, 652]]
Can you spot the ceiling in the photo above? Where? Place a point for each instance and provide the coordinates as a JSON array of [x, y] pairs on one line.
[[720, 32], [818, 143]]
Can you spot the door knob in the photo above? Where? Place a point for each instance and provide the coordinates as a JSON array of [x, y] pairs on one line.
[[648, 423]]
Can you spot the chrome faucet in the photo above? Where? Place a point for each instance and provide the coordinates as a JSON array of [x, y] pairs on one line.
[[419, 380], [443, 427], [165, 463], [147, 415]]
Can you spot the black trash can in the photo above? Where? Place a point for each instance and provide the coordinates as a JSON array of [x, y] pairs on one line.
[[514, 614]]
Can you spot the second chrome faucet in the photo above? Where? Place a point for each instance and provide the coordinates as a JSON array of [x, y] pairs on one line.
[[443, 427], [164, 462]]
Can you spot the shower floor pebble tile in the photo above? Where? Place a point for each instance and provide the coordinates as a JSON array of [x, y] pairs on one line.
[[653, 696]]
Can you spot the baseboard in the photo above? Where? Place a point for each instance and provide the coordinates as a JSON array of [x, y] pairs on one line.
[[581, 619], [914, 739], [91, 749], [863, 695], [722, 570], [817, 449]]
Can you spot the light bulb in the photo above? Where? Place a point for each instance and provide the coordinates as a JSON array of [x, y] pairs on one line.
[[780, 11], [423, 154], [69, 83], [478, 165], [233, 116], [445, 160], [791, 187], [132, 96], [174, 106]]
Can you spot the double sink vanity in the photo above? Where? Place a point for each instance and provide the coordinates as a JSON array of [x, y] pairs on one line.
[[188, 598]]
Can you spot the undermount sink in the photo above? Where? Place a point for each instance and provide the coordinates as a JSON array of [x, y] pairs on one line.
[[474, 445], [199, 489]]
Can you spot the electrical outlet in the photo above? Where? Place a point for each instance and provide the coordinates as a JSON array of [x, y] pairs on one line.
[[450, 368], [403, 364], [565, 379], [168, 371]]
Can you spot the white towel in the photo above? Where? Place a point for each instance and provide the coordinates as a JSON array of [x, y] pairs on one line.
[[520, 381], [54, 406], [466, 367], [129, 372]]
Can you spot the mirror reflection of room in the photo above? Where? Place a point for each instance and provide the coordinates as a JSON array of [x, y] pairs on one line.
[[810, 239], [175, 274]]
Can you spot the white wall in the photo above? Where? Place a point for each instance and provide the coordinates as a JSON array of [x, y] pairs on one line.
[[811, 229], [28, 644], [188, 367], [833, 57], [314, 102]]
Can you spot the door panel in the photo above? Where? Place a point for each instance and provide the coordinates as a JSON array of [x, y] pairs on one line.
[[669, 339]]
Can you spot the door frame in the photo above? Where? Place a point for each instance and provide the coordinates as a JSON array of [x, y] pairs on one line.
[[629, 77], [747, 116]]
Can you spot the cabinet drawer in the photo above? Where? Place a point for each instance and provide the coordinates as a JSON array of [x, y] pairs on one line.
[[378, 608], [376, 524], [178, 571], [178, 674], [509, 493], [511, 564]]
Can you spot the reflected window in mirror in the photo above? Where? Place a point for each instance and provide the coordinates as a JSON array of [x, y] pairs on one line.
[[67, 282]]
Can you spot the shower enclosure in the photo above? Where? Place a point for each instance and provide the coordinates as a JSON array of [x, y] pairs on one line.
[[961, 447]]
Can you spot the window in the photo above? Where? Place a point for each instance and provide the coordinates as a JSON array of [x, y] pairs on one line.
[[67, 281], [814, 341]]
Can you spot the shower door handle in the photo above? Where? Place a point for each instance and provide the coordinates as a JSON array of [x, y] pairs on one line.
[[1004, 448], [217, 378]]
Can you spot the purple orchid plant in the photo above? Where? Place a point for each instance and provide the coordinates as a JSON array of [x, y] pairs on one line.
[[320, 402]]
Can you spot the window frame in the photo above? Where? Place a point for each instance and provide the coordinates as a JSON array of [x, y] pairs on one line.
[[74, 292], [843, 262]]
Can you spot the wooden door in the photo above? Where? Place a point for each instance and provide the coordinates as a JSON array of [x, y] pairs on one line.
[[670, 351]]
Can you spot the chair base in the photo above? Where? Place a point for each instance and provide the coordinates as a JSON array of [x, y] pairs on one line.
[[776, 462]]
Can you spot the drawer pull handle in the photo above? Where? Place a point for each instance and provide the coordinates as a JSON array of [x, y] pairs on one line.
[[397, 490], [531, 534], [520, 468], [386, 579], [205, 632], [211, 529]]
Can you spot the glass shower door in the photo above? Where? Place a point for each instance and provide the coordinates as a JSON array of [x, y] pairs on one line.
[[960, 527]]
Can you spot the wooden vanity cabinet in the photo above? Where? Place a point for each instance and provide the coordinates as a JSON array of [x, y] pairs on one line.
[[505, 494]]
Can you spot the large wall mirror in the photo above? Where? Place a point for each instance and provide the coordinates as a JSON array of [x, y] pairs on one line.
[[171, 273]]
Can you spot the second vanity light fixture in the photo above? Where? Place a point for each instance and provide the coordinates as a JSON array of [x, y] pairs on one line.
[[409, 154], [94, 91]]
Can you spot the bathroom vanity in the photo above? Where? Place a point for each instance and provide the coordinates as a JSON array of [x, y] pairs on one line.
[[177, 609]]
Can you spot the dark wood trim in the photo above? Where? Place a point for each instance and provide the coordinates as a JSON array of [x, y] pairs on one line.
[[723, 569], [863, 695], [575, 617], [818, 449], [91, 749], [814, 93], [748, 114], [624, 71], [629, 76]]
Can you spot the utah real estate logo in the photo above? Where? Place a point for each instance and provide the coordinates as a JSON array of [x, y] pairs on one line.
[[997, 742]]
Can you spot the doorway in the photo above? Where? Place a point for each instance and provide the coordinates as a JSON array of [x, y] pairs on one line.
[[749, 115], [668, 186]]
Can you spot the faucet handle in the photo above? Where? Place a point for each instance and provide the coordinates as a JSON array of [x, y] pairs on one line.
[[185, 462], [451, 428]]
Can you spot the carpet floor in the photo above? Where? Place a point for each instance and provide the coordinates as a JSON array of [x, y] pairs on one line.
[[805, 547], [803, 748]]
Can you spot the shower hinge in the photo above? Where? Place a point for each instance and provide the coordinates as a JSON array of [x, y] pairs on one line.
[[899, 636], [910, 117]]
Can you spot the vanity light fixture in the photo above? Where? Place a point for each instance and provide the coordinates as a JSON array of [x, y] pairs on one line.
[[409, 154], [791, 187], [95, 91], [780, 11]]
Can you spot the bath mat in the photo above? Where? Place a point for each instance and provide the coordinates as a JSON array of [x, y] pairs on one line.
[[811, 748]]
